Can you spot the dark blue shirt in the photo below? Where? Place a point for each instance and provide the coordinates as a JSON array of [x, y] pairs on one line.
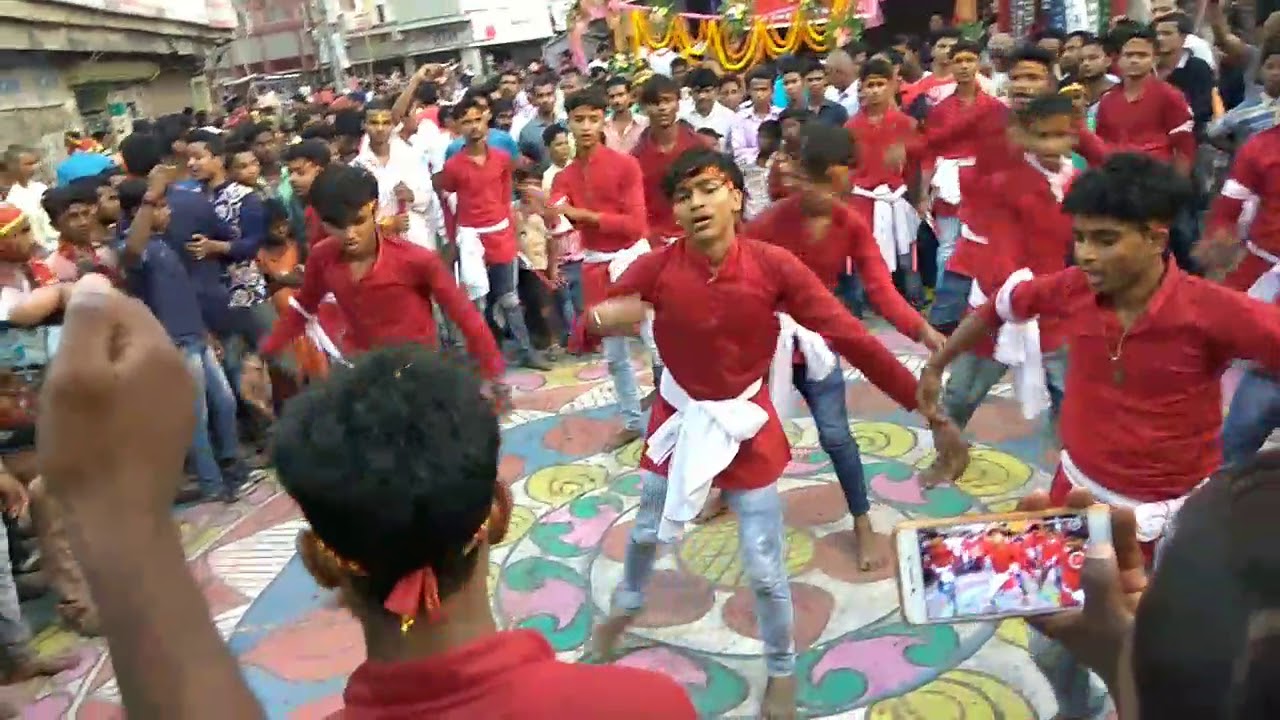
[[192, 214], [160, 280]]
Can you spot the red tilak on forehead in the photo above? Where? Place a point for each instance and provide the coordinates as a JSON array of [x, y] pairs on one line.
[[710, 172]]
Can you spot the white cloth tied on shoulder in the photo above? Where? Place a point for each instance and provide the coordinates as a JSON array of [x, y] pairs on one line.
[[1155, 519], [618, 261], [946, 178], [893, 221], [819, 362], [700, 439], [471, 272], [1018, 346], [315, 331]]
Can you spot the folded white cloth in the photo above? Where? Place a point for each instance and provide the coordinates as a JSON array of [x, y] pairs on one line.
[[893, 222], [1018, 346], [618, 261], [700, 440], [1154, 518], [471, 272], [1267, 287], [315, 331], [819, 362], [946, 178]]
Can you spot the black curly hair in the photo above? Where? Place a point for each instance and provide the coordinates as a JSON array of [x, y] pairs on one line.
[[394, 464]]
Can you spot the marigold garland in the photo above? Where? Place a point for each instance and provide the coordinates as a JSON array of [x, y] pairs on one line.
[[735, 49]]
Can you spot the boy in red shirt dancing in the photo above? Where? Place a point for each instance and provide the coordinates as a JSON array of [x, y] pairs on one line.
[[715, 295]]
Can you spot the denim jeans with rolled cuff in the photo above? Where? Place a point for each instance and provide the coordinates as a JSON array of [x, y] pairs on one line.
[[761, 546], [215, 418], [826, 400]]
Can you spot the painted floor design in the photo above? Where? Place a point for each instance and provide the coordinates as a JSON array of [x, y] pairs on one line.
[[563, 556]]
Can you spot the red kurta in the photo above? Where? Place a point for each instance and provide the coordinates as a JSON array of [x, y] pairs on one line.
[[654, 163], [784, 224], [1157, 122], [1025, 227], [873, 138], [509, 674], [958, 129], [728, 315], [390, 304], [610, 183], [1255, 175], [484, 199], [1156, 434]]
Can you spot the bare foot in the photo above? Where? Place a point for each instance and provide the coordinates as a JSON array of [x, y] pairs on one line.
[[35, 667], [625, 438], [869, 553], [934, 475], [713, 508], [603, 645], [779, 701]]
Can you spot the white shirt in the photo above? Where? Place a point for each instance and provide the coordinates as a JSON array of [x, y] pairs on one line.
[[660, 61], [847, 98], [720, 119], [1201, 48], [409, 166], [27, 199]]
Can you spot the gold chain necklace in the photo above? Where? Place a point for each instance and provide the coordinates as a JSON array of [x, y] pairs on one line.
[[1117, 368]]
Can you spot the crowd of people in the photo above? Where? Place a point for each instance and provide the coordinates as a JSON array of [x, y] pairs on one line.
[[346, 279]]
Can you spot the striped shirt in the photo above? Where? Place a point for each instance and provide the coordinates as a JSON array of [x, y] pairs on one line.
[[1250, 117]]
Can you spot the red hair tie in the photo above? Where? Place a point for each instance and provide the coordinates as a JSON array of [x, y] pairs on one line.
[[413, 592]]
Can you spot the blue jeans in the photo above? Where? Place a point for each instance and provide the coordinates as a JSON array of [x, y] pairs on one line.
[[617, 354], [950, 299], [973, 376], [569, 296], [503, 281], [826, 401], [215, 438], [1254, 413], [760, 541], [948, 237]]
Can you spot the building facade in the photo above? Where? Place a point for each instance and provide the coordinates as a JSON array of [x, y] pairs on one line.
[[275, 36], [97, 64], [400, 34]]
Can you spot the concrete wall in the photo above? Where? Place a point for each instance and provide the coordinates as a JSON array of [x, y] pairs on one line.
[[36, 108]]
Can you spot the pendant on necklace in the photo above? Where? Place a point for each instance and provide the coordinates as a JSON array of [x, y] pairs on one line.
[[1117, 373]]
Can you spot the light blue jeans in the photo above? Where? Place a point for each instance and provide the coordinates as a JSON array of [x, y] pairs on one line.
[[617, 354], [761, 544], [948, 233], [215, 417], [973, 376]]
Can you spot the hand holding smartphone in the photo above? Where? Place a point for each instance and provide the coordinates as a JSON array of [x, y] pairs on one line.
[[989, 567]]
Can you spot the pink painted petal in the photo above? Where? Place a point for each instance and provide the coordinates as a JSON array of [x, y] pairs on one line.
[[907, 492], [882, 661], [665, 660], [555, 597]]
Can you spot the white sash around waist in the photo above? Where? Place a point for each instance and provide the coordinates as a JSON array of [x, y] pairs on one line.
[[471, 272], [894, 221], [618, 261], [1266, 287], [946, 178], [1018, 346], [1154, 518], [700, 439], [315, 331], [819, 362]]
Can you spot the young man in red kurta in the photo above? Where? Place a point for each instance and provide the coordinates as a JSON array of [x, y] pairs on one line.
[[714, 296], [405, 544], [1149, 343], [1023, 226], [878, 180], [824, 233], [1146, 114], [385, 286], [1252, 191], [481, 178], [602, 193], [665, 140]]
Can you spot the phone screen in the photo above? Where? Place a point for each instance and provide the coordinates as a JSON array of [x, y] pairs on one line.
[[1002, 567]]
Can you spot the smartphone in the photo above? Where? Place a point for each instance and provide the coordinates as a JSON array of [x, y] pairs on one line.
[[988, 567]]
